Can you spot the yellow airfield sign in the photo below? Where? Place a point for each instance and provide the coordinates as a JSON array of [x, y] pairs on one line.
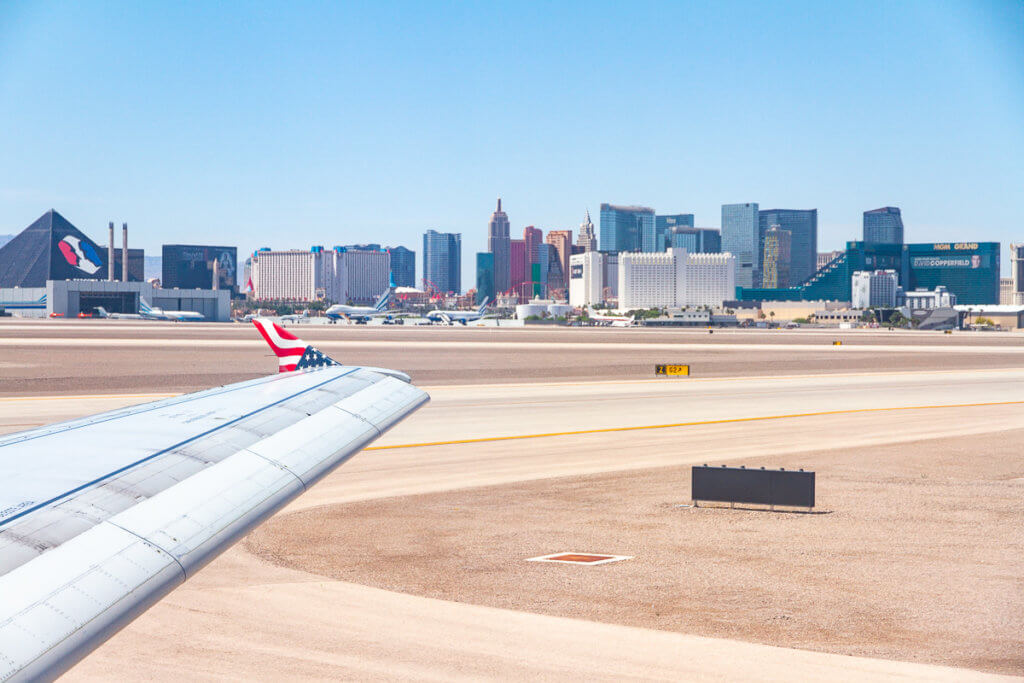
[[672, 370]]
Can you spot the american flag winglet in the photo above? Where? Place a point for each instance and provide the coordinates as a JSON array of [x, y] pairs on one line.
[[292, 353], [313, 357]]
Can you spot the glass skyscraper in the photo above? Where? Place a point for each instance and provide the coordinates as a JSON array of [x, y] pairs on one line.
[[627, 228], [666, 223], [740, 238], [403, 266], [802, 225], [442, 261], [484, 277], [694, 240], [883, 226]]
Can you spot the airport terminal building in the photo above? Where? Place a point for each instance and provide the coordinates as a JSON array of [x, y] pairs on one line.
[[70, 298], [53, 269]]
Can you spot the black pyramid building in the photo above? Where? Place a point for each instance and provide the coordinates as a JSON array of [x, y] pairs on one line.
[[50, 249]]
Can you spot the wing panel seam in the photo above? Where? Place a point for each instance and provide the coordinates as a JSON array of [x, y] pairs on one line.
[[278, 465], [184, 574]]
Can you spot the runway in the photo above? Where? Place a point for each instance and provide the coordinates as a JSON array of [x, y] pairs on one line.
[[268, 609], [74, 357]]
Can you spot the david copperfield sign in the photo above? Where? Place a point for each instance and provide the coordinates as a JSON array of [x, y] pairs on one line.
[[973, 261]]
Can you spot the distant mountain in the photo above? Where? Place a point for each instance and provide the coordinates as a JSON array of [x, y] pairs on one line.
[[4, 239], [154, 267]]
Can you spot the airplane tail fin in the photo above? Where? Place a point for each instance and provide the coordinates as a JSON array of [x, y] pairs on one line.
[[382, 302], [292, 353], [483, 305], [102, 312]]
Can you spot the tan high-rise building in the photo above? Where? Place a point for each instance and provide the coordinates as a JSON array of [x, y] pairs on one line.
[[561, 240], [1006, 291]]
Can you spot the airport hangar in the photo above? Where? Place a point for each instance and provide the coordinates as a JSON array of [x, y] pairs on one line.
[[52, 268]]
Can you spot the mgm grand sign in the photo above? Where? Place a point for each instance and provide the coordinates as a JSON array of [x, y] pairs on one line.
[[956, 246]]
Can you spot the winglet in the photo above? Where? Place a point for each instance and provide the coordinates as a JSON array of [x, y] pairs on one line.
[[292, 353], [382, 302]]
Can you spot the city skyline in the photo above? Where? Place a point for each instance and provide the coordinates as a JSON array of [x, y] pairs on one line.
[[310, 140], [670, 231]]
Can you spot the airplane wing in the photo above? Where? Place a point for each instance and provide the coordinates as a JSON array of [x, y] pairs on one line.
[[101, 517]]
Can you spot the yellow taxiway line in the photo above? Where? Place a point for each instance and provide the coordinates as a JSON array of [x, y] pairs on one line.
[[730, 420]]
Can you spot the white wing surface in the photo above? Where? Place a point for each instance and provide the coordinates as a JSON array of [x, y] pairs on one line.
[[101, 517]]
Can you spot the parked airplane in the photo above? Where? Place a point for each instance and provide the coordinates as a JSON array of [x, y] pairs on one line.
[[613, 320], [150, 313], [462, 317], [361, 313], [295, 317], [101, 517], [102, 312], [147, 312]]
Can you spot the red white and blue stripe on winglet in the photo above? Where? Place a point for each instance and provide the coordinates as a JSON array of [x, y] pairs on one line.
[[292, 353]]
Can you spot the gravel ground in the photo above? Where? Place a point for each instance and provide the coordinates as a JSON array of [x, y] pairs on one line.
[[915, 553]]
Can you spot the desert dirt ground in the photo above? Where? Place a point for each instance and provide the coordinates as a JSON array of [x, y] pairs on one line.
[[409, 561], [913, 552]]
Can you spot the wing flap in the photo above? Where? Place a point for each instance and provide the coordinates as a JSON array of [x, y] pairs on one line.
[[64, 603], [194, 519], [383, 403], [311, 447]]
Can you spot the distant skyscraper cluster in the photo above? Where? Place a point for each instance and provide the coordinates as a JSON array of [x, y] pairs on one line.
[[635, 258], [535, 266], [772, 253]]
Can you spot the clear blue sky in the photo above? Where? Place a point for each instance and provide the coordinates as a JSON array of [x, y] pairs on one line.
[[289, 124]]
